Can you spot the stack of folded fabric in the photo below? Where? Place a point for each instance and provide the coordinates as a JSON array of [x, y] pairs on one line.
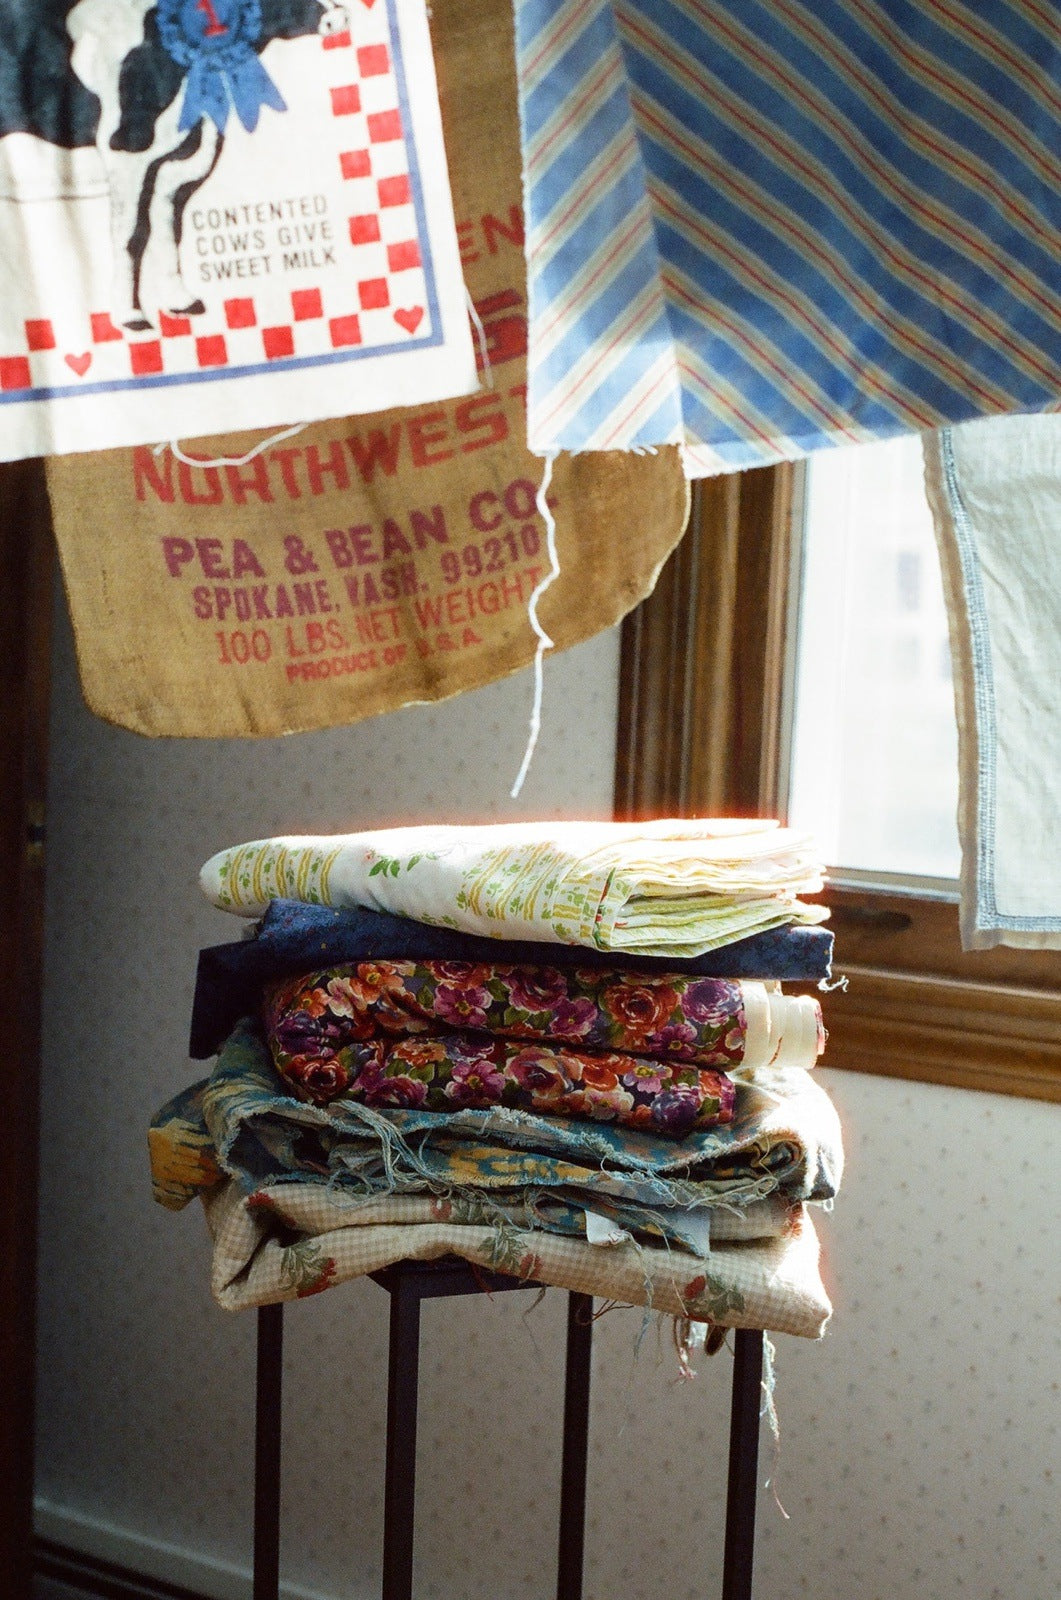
[[560, 1051]]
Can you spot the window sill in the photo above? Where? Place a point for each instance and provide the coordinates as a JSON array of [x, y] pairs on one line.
[[945, 1030]]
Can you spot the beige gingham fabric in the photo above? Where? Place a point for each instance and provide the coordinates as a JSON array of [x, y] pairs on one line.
[[287, 1241]]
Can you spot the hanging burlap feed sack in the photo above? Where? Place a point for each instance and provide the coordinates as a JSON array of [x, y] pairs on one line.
[[369, 563]]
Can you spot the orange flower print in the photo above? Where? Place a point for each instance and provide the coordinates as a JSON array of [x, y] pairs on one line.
[[640, 1007], [318, 1285], [598, 1072], [538, 1072], [421, 1058], [370, 980], [315, 1002], [318, 1078]]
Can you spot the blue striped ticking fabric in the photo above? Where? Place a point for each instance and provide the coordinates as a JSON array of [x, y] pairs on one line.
[[759, 227]]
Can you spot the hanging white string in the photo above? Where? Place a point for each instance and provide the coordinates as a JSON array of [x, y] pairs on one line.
[[768, 1409], [480, 333], [544, 641], [228, 461]]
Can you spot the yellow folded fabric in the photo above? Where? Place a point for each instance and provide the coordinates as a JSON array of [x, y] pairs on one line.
[[676, 886]]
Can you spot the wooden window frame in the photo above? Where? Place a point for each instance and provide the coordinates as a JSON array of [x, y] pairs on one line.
[[702, 711]]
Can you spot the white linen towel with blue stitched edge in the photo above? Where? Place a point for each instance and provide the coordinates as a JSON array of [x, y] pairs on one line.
[[995, 490]]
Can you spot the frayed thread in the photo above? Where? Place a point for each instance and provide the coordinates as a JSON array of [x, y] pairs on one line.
[[544, 641], [688, 1337], [768, 1409], [480, 334], [228, 461]]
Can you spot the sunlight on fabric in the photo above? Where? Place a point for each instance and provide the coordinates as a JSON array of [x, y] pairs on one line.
[[874, 763]]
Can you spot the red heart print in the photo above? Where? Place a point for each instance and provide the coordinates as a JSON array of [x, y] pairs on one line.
[[410, 318], [79, 364]]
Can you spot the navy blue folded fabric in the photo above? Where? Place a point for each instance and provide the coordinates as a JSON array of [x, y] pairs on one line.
[[293, 937]]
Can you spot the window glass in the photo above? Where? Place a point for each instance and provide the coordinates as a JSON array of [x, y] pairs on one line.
[[874, 759]]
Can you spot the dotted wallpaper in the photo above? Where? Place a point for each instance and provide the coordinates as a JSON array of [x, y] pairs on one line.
[[918, 1440]]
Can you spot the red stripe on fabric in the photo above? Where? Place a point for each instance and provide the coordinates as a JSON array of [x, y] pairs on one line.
[[561, 309], [933, 220], [758, 356], [1046, 18], [548, 46], [996, 45], [616, 435], [771, 441], [745, 264], [573, 113], [600, 177], [787, 155], [872, 309], [981, 176], [619, 335]]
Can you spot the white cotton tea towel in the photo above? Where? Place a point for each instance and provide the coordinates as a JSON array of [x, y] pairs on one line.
[[995, 490]]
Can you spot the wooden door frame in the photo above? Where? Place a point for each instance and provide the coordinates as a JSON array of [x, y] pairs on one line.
[[26, 578]]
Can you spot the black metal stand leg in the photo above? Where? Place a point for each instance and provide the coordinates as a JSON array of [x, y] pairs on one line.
[[267, 1452], [743, 1465], [576, 1435], [399, 1494]]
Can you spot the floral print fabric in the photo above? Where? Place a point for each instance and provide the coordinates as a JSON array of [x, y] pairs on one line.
[[784, 1139], [639, 1049], [295, 937]]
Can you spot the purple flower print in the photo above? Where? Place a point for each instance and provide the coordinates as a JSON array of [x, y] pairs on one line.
[[677, 1039], [646, 1077], [535, 989], [476, 1081], [572, 1019], [462, 1007], [459, 974], [714, 1003], [612, 1046], [675, 1110], [301, 1035], [399, 1091]]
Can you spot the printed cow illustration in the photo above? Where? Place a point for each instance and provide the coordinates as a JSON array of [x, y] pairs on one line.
[[148, 86]]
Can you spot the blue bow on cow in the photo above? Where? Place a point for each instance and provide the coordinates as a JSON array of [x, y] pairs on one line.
[[213, 40]]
